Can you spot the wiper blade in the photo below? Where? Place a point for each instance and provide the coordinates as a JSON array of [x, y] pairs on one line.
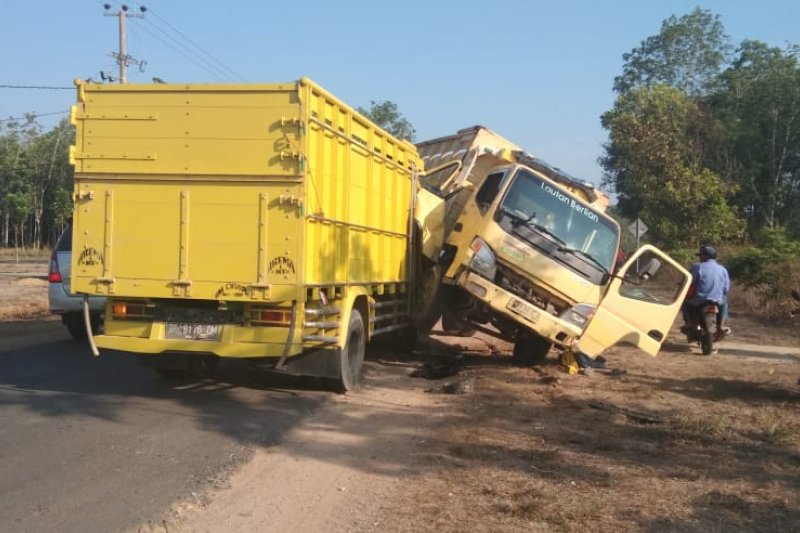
[[549, 233], [515, 218], [581, 253]]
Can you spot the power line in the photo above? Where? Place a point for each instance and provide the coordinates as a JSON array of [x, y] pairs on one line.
[[35, 116], [214, 63], [214, 59], [42, 87], [198, 62]]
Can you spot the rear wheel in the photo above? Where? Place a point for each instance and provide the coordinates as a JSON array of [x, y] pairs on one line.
[[351, 357], [707, 335], [530, 349], [76, 325]]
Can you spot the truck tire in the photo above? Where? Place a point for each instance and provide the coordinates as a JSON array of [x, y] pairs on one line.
[[430, 297], [453, 325], [530, 349], [76, 327], [351, 357]]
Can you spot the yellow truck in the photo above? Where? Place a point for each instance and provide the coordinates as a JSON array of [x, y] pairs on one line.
[[529, 250], [249, 221]]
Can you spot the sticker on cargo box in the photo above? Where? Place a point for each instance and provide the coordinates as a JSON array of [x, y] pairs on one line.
[[523, 309], [90, 257], [232, 290], [281, 266], [194, 332]]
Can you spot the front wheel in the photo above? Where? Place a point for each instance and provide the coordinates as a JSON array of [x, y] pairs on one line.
[[530, 349], [351, 357]]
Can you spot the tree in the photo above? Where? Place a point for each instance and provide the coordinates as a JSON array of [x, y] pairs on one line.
[[760, 100], [386, 115], [35, 182], [654, 162], [688, 54]]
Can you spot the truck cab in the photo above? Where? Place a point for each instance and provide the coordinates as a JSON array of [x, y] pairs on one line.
[[530, 252]]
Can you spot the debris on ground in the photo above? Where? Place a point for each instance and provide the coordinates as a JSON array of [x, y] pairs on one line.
[[461, 386], [448, 368], [639, 416]]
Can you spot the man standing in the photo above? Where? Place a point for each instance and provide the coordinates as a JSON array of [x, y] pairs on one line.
[[711, 284]]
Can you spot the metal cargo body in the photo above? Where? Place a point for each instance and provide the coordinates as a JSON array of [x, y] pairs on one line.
[[272, 194]]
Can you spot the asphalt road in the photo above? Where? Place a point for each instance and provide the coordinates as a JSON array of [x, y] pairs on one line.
[[102, 444]]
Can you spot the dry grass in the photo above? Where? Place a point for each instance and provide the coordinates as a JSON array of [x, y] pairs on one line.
[[23, 289], [526, 452], [22, 254]]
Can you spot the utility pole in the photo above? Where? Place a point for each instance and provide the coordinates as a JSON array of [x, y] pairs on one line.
[[122, 57]]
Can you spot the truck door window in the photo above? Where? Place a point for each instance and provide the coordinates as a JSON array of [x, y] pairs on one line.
[[488, 191], [640, 283]]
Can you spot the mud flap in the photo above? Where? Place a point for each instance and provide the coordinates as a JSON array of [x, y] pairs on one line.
[[322, 363]]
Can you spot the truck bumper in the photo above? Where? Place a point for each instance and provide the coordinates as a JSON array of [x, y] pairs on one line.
[[503, 302], [234, 341]]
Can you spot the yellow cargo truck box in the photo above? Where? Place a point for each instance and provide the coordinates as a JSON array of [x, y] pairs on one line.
[[238, 220]]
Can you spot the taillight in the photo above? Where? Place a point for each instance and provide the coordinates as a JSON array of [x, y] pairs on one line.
[[54, 274], [274, 317], [127, 310]]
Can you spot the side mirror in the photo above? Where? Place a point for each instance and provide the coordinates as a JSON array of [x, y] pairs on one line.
[[649, 268]]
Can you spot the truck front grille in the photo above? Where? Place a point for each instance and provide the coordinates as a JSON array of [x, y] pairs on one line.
[[523, 288]]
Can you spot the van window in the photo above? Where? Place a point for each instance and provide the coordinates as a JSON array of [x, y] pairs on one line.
[[64, 243]]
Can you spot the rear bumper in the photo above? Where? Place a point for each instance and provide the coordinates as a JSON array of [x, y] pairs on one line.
[[61, 302], [505, 303], [235, 341]]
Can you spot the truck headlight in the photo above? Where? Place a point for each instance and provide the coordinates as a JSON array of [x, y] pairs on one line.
[[579, 314], [482, 261]]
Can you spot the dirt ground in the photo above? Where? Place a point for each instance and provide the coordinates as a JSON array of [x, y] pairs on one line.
[[23, 288], [682, 442]]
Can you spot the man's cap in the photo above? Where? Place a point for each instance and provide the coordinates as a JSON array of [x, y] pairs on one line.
[[709, 251]]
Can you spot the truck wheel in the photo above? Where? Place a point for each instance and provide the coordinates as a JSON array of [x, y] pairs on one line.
[[453, 325], [351, 357], [76, 327], [430, 298], [530, 349]]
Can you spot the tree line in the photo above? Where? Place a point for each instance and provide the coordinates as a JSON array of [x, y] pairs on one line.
[[704, 145], [35, 182]]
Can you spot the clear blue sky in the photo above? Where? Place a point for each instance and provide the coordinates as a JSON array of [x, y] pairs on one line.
[[539, 73]]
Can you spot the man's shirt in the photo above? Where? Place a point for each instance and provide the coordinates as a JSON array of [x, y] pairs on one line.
[[711, 280]]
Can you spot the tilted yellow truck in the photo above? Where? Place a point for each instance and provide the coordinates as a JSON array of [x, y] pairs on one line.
[[530, 250], [252, 221]]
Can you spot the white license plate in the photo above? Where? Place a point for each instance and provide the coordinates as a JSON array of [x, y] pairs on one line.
[[523, 309], [196, 332]]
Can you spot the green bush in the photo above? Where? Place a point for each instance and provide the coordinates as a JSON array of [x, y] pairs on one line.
[[772, 267]]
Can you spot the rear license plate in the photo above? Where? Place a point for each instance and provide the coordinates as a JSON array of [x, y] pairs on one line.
[[196, 332], [523, 309]]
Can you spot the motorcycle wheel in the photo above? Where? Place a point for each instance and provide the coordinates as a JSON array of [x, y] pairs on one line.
[[707, 335]]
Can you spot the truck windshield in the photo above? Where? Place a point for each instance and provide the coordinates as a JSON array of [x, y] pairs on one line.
[[574, 226]]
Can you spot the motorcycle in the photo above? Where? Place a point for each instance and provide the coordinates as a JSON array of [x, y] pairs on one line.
[[701, 322]]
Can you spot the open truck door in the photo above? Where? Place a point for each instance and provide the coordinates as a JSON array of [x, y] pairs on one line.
[[639, 306]]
